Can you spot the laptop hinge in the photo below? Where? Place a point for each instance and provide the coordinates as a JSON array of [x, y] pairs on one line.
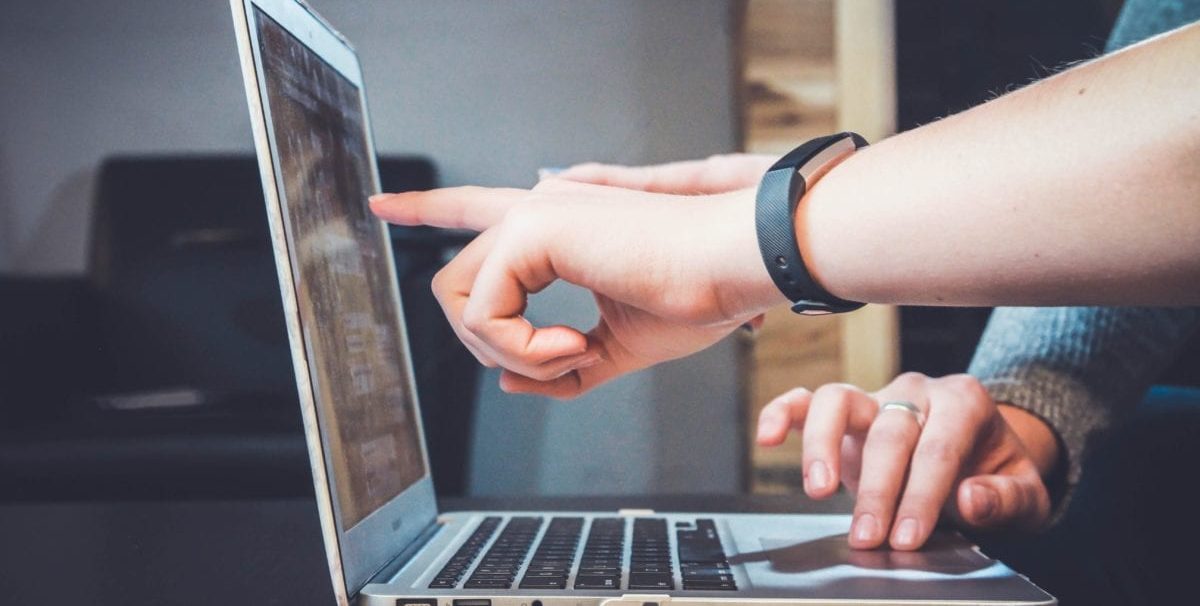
[[394, 565]]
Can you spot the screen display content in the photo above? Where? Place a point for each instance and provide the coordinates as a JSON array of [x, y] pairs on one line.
[[351, 326]]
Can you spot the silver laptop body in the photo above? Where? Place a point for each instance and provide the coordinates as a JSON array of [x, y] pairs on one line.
[[385, 542]]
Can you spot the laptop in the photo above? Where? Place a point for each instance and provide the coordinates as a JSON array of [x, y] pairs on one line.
[[385, 542]]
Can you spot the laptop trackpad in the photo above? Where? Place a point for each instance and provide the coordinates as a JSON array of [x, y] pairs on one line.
[[792, 552], [943, 553]]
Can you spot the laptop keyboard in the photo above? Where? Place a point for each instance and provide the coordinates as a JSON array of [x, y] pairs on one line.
[[462, 559], [504, 558], [650, 556], [603, 555], [555, 555], [702, 563]]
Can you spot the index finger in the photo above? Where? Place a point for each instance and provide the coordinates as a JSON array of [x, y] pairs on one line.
[[942, 450], [495, 310], [468, 207]]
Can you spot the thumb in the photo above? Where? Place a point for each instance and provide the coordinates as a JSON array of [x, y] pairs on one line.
[[1017, 500], [608, 360]]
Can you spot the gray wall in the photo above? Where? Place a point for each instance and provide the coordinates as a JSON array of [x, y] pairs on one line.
[[490, 90]]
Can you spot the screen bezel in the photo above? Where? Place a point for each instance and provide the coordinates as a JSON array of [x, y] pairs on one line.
[[357, 553]]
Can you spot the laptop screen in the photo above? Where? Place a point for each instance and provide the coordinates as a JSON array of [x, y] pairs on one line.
[[349, 319]]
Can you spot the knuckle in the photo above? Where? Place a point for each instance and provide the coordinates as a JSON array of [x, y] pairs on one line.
[[835, 393], [472, 190], [874, 499], [474, 320], [525, 217], [921, 505], [438, 283], [795, 393], [969, 388], [909, 380]]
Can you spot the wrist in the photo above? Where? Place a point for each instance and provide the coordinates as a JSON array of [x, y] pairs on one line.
[[743, 286], [779, 193], [1036, 435], [821, 224]]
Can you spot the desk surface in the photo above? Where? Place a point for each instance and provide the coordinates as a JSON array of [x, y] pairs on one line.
[[234, 552]]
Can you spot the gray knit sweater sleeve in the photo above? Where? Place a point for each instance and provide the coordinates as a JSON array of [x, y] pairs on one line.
[[1079, 368]]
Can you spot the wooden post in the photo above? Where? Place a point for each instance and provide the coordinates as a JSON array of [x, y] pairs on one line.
[[865, 58]]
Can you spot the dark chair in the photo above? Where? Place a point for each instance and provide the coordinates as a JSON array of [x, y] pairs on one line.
[[181, 306]]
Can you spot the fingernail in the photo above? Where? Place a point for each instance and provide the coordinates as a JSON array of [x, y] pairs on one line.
[[865, 528], [906, 532], [589, 361], [549, 171], [983, 501], [818, 476], [584, 361]]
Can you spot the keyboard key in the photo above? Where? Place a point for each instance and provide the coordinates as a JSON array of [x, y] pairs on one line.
[[597, 582], [665, 568], [544, 583], [492, 576], [650, 580], [710, 585], [700, 552], [707, 575], [722, 565], [548, 574], [481, 584], [551, 565], [700, 545]]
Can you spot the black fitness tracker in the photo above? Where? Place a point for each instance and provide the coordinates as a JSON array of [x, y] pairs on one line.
[[774, 216]]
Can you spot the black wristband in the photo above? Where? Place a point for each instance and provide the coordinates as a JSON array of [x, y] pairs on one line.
[[775, 208]]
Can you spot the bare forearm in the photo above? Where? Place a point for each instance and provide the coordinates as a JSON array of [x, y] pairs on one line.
[[1080, 189]]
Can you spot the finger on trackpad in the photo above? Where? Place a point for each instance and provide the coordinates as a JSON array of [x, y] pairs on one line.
[[941, 554]]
